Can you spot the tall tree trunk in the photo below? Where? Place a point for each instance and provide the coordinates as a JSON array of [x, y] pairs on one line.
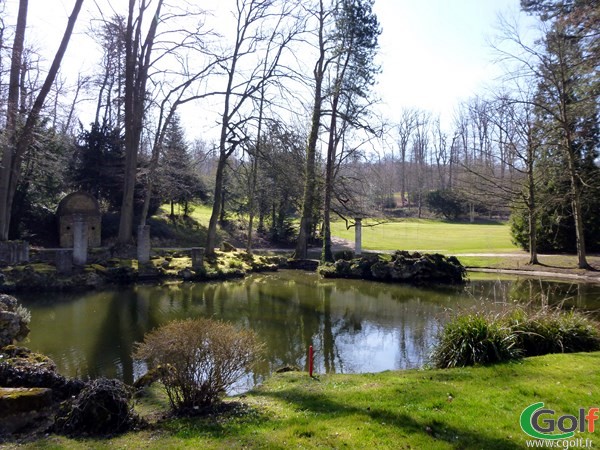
[[326, 253], [254, 173], [131, 54], [7, 168], [308, 199], [136, 76], [10, 172], [216, 212], [576, 204], [531, 202]]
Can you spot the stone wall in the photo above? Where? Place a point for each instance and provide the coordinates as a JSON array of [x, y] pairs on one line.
[[14, 252]]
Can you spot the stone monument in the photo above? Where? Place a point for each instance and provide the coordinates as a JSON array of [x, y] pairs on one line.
[[73, 209]]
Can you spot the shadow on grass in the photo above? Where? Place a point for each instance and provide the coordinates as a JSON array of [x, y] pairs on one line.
[[442, 220], [434, 429]]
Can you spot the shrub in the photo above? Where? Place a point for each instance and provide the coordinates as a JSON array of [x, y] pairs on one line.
[[550, 330], [204, 358], [446, 203], [480, 338], [474, 339]]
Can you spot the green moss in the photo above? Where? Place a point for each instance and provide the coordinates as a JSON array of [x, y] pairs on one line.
[[99, 268], [16, 393]]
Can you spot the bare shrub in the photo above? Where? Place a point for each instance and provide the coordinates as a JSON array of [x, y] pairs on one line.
[[204, 358]]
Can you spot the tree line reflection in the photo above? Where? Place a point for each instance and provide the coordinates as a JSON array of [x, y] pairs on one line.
[[353, 326]]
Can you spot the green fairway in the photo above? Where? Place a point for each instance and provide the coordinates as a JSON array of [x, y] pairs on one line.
[[410, 234], [432, 236]]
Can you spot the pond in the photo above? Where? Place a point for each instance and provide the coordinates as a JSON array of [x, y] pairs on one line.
[[354, 326]]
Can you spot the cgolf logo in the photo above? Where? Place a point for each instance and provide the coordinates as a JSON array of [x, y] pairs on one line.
[[539, 422]]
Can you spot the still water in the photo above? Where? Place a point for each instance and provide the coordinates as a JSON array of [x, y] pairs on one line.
[[354, 326]]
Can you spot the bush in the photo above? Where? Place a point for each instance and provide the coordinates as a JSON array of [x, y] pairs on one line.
[[474, 339], [479, 338], [446, 203], [551, 330], [204, 358]]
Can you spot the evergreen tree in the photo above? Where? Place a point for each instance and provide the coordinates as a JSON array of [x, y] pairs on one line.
[[180, 184], [97, 166]]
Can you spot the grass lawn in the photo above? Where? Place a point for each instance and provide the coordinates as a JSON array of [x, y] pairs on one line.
[[467, 408], [199, 212], [432, 235]]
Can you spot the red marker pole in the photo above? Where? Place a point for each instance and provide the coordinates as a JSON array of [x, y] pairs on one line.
[[310, 361]]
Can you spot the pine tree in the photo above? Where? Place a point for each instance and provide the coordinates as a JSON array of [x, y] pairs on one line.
[[179, 183]]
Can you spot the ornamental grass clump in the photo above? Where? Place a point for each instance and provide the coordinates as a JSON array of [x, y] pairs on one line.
[[201, 358], [552, 330], [513, 332], [473, 339]]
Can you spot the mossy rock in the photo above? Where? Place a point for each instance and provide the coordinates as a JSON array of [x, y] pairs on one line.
[[20, 367], [14, 320], [20, 400], [226, 247], [25, 410], [99, 268], [404, 267]]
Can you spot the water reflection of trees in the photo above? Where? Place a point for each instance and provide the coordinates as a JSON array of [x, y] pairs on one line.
[[538, 292], [353, 325]]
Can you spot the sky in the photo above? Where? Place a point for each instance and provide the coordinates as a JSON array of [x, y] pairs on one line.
[[434, 54]]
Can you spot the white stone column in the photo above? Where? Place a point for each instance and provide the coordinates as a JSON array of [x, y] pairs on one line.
[[143, 244], [197, 257], [64, 261], [80, 241], [357, 236]]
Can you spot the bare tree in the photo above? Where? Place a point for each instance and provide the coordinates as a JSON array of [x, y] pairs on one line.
[[322, 15], [565, 72], [17, 144], [138, 60], [406, 127], [253, 18]]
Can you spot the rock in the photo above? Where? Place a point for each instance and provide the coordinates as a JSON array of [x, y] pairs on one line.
[[380, 270], [25, 410], [152, 376], [103, 407], [344, 254], [93, 280], [309, 265], [186, 274], [285, 369], [121, 274], [415, 268], [20, 367], [14, 321], [227, 247]]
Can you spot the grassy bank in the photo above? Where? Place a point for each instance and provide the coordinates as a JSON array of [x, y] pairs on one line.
[[463, 408], [433, 236]]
